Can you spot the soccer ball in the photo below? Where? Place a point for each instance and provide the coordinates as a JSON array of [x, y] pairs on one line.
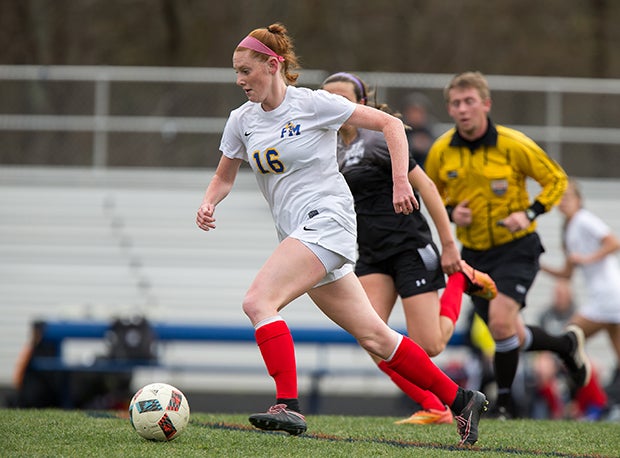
[[159, 412]]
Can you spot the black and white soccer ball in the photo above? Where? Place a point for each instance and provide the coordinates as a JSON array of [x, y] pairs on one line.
[[159, 412]]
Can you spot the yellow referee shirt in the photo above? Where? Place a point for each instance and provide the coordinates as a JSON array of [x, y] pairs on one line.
[[491, 174]]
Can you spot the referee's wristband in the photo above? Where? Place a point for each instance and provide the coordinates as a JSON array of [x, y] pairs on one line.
[[534, 210], [449, 210]]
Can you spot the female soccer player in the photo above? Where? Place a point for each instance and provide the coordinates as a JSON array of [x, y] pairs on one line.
[[397, 254], [288, 136], [591, 246]]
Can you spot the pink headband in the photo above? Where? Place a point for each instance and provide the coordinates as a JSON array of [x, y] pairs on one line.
[[258, 46]]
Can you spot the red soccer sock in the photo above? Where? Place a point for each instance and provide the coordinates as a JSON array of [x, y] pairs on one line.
[[452, 297], [276, 345], [592, 394], [425, 399], [414, 365]]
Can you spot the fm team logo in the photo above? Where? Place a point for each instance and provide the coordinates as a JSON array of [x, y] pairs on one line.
[[290, 130]]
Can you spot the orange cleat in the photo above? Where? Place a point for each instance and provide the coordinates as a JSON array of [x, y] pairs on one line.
[[478, 283], [428, 417]]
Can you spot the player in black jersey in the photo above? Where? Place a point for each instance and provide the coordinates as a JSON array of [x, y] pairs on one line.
[[397, 255]]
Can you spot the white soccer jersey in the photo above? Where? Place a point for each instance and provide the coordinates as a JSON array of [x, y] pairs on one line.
[[584, 233], [292, 151]]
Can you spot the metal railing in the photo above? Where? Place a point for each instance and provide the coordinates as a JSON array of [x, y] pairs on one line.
[[551, 134]]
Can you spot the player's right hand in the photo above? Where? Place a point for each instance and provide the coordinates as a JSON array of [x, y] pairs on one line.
[[461, 215], [204, 217]]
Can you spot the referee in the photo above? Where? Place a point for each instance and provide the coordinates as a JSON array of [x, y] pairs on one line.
[[480, 169]]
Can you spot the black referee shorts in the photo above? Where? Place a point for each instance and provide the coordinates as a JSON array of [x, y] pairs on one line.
[[413, 271], [513, 266]]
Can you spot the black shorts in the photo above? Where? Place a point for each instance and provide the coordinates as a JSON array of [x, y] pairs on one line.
[[513, 266], [413, 271]]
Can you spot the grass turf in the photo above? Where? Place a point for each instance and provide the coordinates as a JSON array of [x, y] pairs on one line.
[[57, 433]]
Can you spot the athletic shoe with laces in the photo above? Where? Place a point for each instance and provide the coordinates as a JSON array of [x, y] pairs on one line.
[[428, 417], [577, 362], [467, 421], [478, 283], [279, 418]]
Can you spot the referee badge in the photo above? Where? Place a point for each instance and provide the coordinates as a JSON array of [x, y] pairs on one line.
[[499, 187]]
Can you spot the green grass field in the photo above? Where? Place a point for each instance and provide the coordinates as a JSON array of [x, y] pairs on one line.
[[56, 433]]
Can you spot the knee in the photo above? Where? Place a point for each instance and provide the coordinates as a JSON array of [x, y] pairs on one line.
[[502, 328], [252, 307], [433, 348], [431, 343]]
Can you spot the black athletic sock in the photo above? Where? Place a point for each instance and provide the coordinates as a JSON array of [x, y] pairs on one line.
[[291, 404], [461, 400], [542, 340], [505, 363], [504, 399]]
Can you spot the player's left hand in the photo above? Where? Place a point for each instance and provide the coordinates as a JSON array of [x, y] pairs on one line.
[[515, 222]]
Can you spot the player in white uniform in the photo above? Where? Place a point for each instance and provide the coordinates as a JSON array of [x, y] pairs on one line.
[[288, 135], [589, 244], [588, 238], [297, 139]]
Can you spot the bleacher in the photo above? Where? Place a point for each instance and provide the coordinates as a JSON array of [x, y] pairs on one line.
[[86, 243], [96, 244]]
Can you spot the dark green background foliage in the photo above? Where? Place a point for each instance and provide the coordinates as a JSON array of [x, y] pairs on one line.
[[519, 37]]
